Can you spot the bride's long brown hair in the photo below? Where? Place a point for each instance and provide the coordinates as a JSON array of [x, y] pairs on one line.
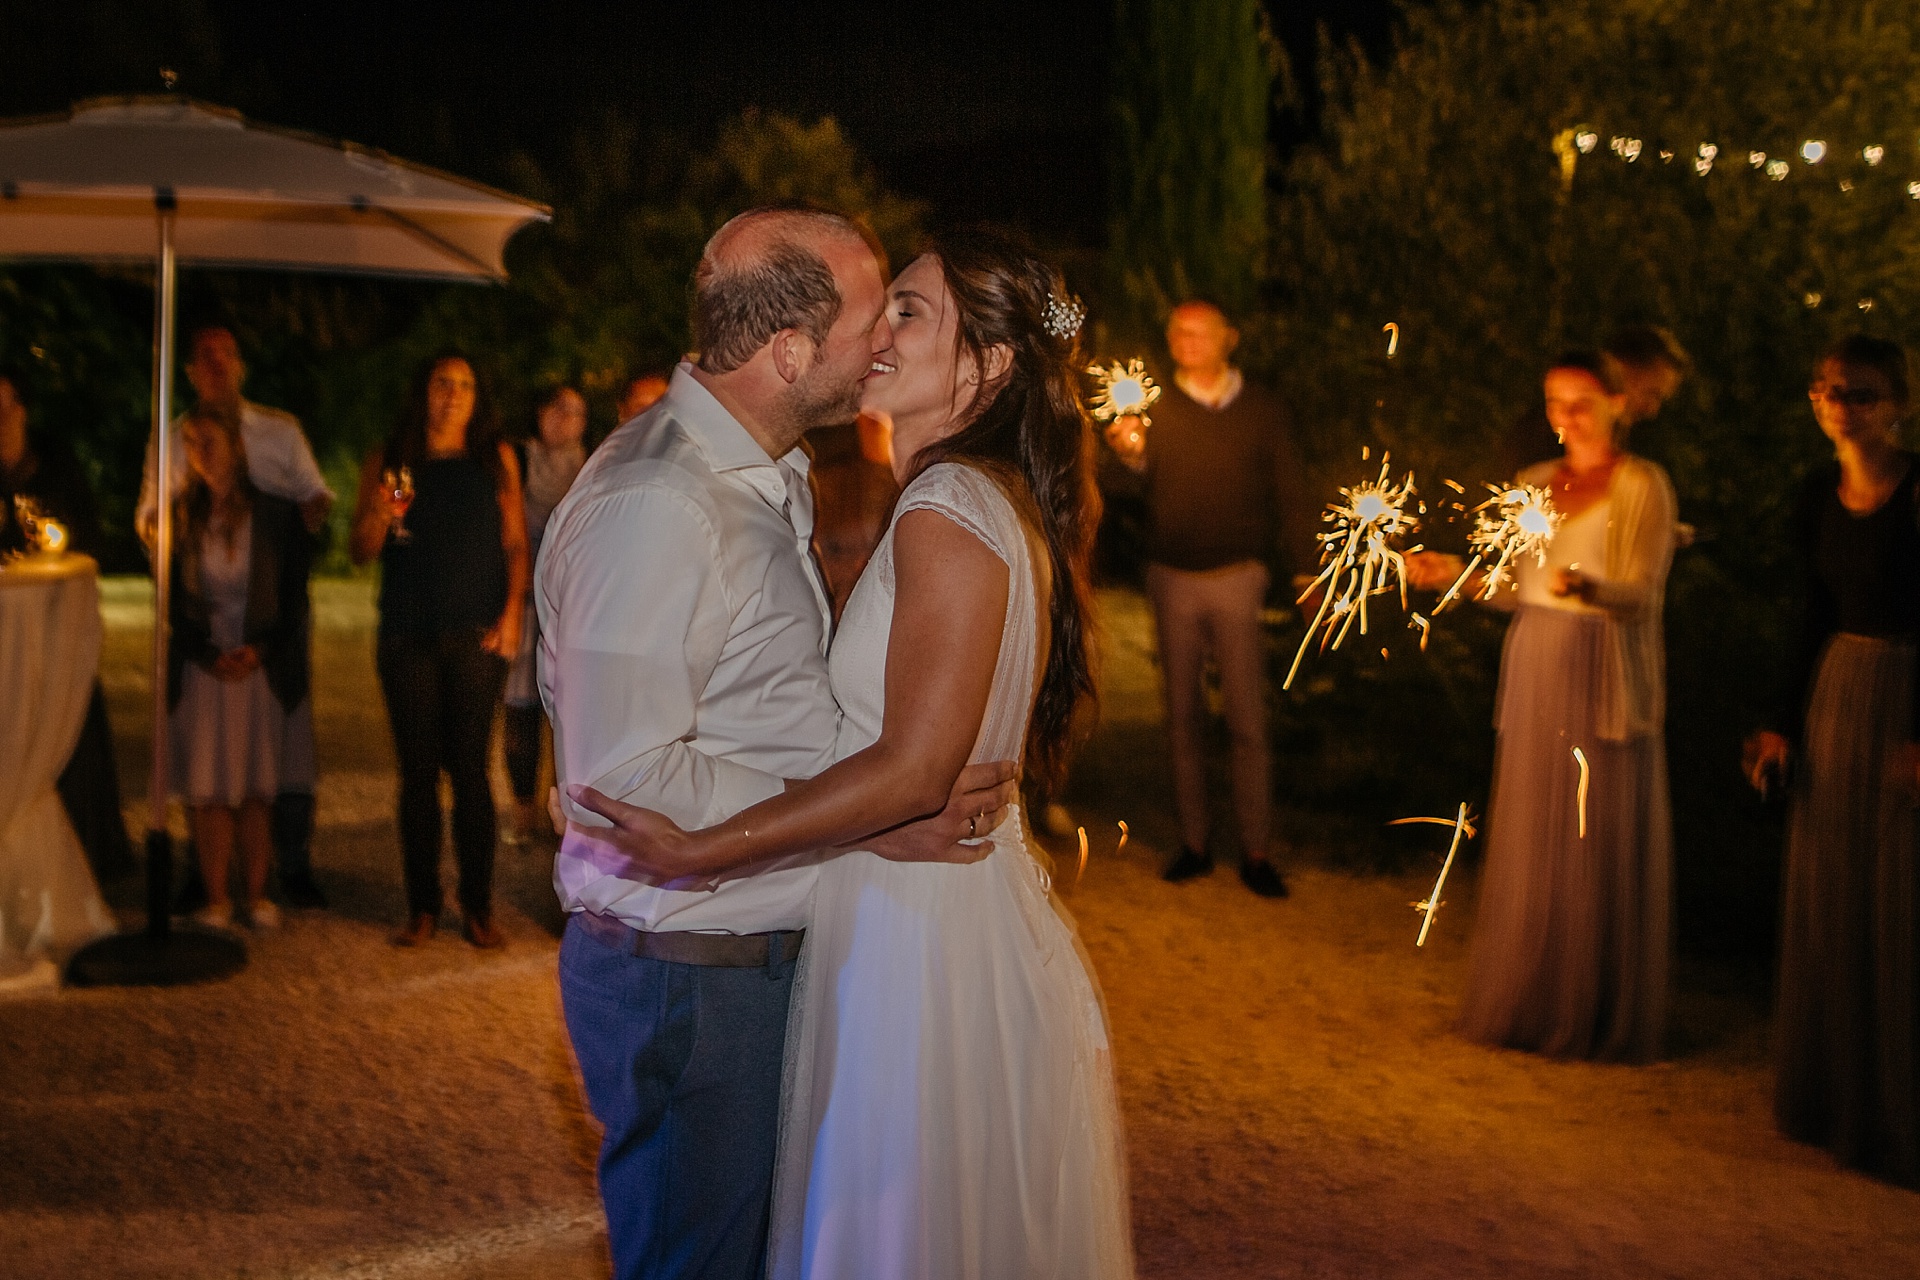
[[1030, 431]]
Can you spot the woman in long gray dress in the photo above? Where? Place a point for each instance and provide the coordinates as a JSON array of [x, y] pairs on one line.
[[1571, 943], [1848, 1034]]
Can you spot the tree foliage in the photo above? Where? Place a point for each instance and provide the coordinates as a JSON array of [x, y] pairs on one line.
[[1188, 159], [597, 296], [1437, 201]]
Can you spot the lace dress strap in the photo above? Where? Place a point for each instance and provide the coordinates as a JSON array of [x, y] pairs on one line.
[[970, 499]]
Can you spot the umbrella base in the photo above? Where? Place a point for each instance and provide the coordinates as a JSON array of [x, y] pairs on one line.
[[159, 955], [142, 960]]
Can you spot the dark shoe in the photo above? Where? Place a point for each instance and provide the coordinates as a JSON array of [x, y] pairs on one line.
[[1187, 865], [418, 930], [482, 934], [1263, 878], [300, 891]]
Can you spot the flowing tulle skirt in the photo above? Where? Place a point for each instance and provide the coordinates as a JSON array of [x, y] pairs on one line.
[[1849, 1016], [949, 1105], [1571, 941]]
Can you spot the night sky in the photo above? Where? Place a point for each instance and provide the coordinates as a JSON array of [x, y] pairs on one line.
[[988, 108]]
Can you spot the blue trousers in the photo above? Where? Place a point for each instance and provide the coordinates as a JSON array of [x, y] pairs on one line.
[[682, 1067]]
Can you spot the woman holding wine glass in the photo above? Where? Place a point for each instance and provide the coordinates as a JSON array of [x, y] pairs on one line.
[[440, 505]]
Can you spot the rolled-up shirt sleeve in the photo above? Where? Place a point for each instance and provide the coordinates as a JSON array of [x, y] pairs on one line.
[[634, 614]]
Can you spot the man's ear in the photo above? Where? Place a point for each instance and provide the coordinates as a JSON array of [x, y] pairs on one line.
[[1233, 339], [792, 353]]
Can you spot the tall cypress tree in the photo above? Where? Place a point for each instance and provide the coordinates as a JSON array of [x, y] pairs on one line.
[[1192, 82]]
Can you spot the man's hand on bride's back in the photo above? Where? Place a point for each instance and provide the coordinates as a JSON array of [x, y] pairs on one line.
[[977, 804]]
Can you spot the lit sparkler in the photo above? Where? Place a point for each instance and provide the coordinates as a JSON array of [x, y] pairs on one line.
[[1462, 829], [1083, 858], [1358, 558], [1518, 520], [1124, 390], [1581, 798], [1124, 834]]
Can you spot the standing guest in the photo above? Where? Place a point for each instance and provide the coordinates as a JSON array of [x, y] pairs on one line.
[[237, 663], [1571, 942], [853, 494], [549, 460], [453, 582], [1848, 1043], [280, 463], [1222, 496], [41, 466], [1653, 365], [639, 395]]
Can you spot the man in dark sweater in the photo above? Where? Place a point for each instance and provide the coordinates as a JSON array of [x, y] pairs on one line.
[[1222, 490]]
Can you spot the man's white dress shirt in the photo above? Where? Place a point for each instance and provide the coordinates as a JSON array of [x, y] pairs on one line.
[[279, 459], [683, 641]]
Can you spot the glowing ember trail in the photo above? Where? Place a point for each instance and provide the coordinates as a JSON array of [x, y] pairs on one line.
[[1462, 828], [1582, 797], [1518, 520], [1358, 559]]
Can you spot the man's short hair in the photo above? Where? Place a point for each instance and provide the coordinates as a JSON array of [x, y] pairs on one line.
[[1201, 300], [1645, 345], [741, 298], [201, 332]]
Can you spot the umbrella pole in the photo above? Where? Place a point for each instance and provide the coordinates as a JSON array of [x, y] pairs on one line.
[[158, 956], [159, 843]]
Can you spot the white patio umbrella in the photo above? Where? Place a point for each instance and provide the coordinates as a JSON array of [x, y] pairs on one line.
[[185, 183]]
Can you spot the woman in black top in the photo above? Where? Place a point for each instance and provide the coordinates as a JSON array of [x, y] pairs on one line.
[[454, 576], [1849, 1018]]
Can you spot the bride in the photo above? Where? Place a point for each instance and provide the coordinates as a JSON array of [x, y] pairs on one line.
[[949, 1104]]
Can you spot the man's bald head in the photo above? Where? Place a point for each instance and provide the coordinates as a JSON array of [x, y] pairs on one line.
[[764, 271]]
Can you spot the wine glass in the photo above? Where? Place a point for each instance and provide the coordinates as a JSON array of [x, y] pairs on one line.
[[400, 492]]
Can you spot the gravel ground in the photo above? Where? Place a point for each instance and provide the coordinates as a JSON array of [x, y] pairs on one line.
[[1295, 1106]]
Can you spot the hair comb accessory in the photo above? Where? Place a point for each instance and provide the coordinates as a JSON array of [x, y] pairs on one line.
[[1062, 316]]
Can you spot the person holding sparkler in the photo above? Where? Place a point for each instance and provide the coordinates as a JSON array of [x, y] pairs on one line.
[[1849, 1078], [1222, 490], [1571, 944], [1653, 365]]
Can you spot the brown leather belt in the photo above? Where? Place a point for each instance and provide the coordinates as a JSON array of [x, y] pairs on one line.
[[713, 950]]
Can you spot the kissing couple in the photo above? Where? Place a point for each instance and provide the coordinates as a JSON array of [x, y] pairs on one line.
[[823, 1000]]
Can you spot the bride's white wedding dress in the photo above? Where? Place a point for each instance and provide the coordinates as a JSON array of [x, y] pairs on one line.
[[949, 1109]]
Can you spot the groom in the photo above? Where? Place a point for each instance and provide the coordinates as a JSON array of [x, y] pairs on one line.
[[683, 631]]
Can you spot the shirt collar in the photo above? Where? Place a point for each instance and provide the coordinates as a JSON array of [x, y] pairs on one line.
[[1228, 393], [722, 441]]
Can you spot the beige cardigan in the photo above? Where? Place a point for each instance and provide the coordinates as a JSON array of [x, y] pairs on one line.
[[1632, 701]]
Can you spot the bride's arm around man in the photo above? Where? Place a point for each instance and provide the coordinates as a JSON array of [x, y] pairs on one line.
[[684, 630]]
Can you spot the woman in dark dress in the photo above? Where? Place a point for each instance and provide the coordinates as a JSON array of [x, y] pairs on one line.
[[454, 576], [1848, 1034]]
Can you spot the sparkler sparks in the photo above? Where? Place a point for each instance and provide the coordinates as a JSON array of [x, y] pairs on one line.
[[1581, 799], [1358, 558], [1124, 834], [1392, 331], [1124, 390], [1083, 858], [1462, 829], [1518, 520]]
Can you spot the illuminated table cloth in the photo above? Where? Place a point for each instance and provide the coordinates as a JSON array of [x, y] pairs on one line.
[[50, 639]]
